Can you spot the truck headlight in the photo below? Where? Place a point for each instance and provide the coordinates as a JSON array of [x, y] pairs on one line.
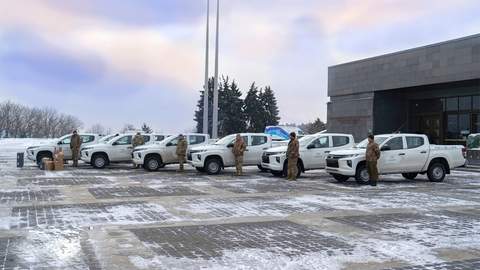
[[277, 159], [349, 163]]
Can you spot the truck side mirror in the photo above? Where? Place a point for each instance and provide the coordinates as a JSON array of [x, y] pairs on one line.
[[311, 146], [230, 145], [386, 147], [169, 144]]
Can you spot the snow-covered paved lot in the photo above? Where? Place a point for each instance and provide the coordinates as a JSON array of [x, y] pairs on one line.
[[124, 218]]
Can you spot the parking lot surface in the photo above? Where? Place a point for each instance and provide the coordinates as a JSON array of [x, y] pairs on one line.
[[125, 218]]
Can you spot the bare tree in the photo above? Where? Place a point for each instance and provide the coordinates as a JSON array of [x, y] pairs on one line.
[[127, 128], [17, 120], [97, 128]]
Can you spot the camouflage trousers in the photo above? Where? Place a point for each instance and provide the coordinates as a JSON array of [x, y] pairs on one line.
[[372, 171], [181, 161], [75, 157], [239, 164], [292, 169]]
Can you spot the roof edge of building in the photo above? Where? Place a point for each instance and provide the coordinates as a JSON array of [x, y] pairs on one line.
[[407, 50]]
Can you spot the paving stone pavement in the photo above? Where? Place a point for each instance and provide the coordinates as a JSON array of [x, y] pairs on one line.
[[139, 191], [30, 195], [208, 241], [125, 218], [455, 265]]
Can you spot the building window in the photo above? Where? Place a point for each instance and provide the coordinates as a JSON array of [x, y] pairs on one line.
[[452, 104], [476, 102], [464, 124], [465, 103], [476, 123], [452, 126]]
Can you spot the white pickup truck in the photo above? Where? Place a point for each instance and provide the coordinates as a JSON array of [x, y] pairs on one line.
[[214, 157], [155, 156], [408, 154], [314, 149], [38, 152], [116, 150]]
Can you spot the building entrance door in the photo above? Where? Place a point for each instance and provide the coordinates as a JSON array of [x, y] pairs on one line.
[[430, 126]]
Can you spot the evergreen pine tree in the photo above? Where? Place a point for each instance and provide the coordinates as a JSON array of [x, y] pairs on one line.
[[254, 110], [269, 104], [231, 117], [199, 112], [146, 128]]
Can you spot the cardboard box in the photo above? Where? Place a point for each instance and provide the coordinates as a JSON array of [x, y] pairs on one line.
[[49, 165], [43, 165], [58, 165]]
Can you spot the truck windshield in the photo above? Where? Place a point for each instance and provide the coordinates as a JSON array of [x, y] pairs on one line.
[[305, 140], [226, 140], [378, 139]]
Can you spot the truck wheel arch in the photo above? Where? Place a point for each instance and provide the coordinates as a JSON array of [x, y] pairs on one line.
[[153, 155], [441, 160], [43, 154], [101, 153], [215, 157]]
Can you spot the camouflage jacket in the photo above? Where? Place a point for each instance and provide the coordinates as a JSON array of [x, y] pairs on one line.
[[293, 149], [239, 148], [182, 147], [373, 152], [137, 140], [75, 142]]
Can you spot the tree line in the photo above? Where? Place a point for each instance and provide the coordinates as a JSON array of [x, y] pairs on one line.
[[252, 114], [20, 121]]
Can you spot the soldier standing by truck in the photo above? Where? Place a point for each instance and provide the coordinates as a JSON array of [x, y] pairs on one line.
[[238, 149], [372, 155], [137, 141], [75, 143], [292, 155], [181, 151]]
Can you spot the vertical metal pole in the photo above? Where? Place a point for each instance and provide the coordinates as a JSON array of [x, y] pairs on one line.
[[215, 87], [205, 86]]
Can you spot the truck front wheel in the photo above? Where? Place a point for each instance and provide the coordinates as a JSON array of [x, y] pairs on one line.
[[361, 175], [436, 172], [213, 166], [153, 163], [99, 161]]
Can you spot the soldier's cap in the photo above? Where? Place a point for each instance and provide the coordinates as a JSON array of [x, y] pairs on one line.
[[292, 134]]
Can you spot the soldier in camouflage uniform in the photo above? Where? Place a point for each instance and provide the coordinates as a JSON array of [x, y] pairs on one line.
[[372, 155], [137, 141], [75, 143], [292, 155], [238, 149], [181, 152]]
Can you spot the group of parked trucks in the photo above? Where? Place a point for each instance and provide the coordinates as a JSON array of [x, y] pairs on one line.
[[406, 154]]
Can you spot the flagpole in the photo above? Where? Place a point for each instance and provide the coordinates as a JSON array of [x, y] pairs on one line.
[[215, 86], [205, 86]]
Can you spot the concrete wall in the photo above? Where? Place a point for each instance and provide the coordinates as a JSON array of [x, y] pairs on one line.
[[455, 60]]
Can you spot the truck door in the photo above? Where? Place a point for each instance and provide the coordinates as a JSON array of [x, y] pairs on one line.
[[122, 149], [416, 153], [65, 146], [314, 155], [392, 156], [170, 153]]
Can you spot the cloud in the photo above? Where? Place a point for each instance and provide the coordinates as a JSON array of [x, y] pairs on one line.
[[145, 54]]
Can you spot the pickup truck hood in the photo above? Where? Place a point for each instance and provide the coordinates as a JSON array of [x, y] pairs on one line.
[[277, 149], [351, 151], [209, 147]]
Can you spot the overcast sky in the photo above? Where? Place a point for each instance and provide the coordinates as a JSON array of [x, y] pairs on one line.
[[132, 61]]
